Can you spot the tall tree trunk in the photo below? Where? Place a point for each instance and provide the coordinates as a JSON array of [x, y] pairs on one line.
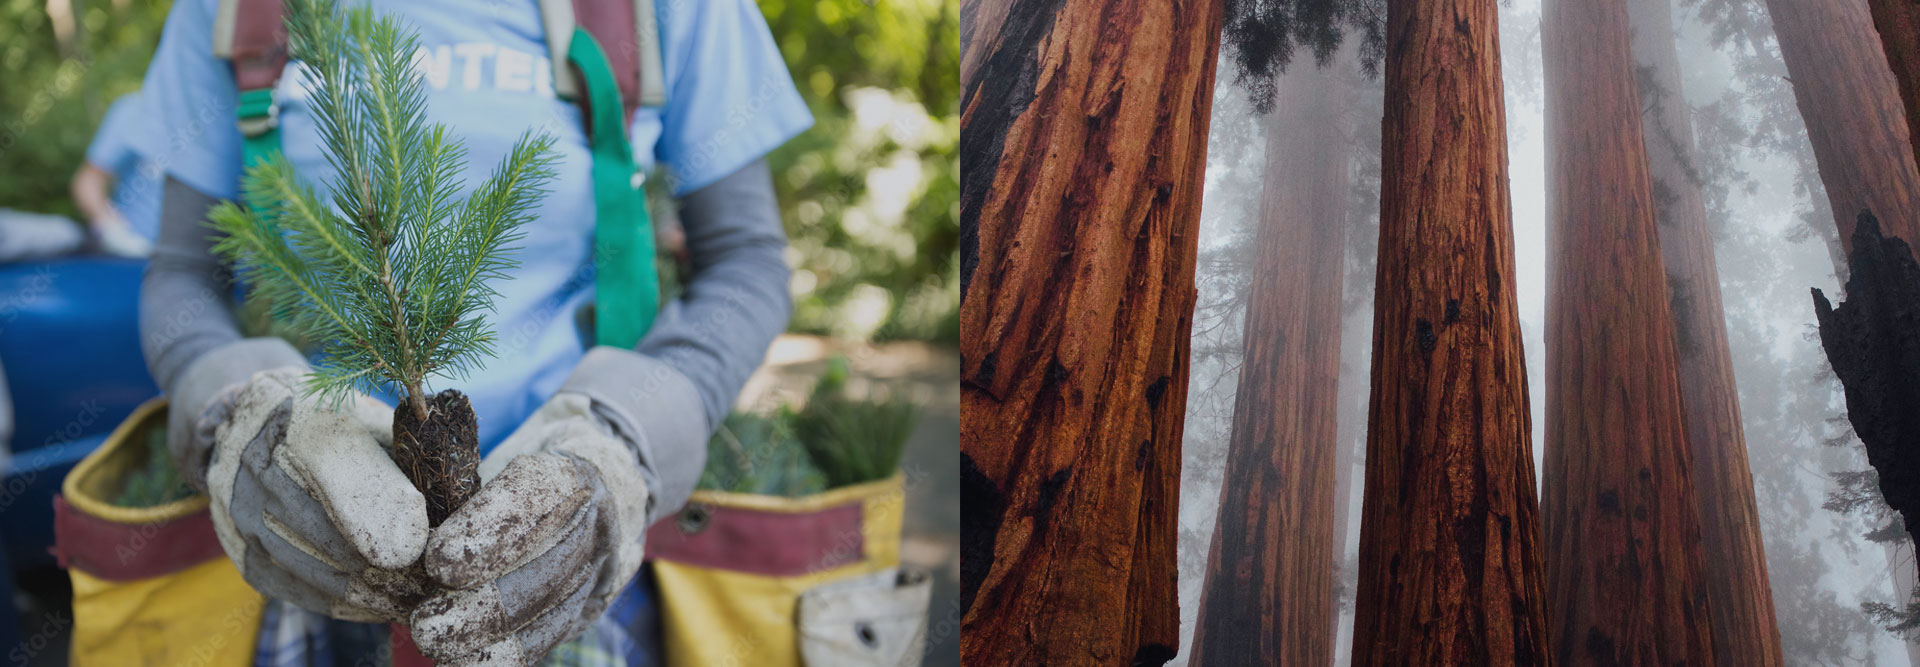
[[1624, 579], [1084, 134], [1744, 629], [1450, 572], [1851, 104], [1898, 23], [1269, 587]]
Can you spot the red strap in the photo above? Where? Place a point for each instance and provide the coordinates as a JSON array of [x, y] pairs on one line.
[[259, 43], [612, 25]]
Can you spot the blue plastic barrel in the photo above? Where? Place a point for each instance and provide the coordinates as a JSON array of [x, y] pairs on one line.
[[70, 343]]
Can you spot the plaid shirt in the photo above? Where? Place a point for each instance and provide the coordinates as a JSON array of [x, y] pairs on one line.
[[289, 636]]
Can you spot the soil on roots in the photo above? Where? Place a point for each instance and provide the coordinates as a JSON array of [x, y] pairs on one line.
[[441, 455]]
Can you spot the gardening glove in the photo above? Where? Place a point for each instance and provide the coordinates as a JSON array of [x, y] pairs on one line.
[[307, 502], [203, 396], [536, 555]]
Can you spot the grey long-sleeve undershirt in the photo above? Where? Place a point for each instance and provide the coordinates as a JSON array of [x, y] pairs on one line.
[[714, 335]]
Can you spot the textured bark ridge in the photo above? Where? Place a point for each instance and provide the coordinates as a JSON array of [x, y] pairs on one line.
[[1855, 119], [1873, 342], [1744, 629], [1898, 23], [441, 455], [1083, 144], [1624, 560], [1450, 569], [1268, 596]]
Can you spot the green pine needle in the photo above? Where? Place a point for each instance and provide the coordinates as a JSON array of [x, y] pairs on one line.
[[390, 272]]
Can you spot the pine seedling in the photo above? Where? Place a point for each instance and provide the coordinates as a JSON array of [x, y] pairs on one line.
[[390, 272]]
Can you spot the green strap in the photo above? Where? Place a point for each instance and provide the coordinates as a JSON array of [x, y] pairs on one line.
[[626, 286], [259, 120]]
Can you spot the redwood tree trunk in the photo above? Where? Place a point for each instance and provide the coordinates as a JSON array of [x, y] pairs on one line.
[[1851, 104], [1744, 629], [1450, 570], [1898, 22], [1269, 585], [1084, 130], [1624, 561]]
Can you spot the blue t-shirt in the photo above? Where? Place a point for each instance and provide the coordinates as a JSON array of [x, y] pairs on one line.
[[120, 147], [488, 79]]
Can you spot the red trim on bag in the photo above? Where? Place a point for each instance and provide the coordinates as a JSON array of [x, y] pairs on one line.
[[405, 653], [775, 544], [125, 552]]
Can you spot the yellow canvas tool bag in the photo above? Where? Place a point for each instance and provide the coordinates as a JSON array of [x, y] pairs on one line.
[[771, 581], [150, 584]]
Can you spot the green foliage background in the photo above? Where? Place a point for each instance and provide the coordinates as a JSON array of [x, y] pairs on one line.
[[884, 83], [870, 194], [56, 90]]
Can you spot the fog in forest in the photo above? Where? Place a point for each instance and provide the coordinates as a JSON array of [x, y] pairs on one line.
[[1772, 232]]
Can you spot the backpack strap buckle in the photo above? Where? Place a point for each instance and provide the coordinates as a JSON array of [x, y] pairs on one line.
[[258, 112]]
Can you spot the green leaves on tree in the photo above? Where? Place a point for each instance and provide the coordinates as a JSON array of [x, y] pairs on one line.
[[387, 270]]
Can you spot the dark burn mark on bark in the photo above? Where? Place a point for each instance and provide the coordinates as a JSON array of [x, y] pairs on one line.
[[1004, 88], [983, 378], [981, 507], [1453, 311], [1142, 455], [1156, 391], [1152, 655], [1872, 341], [1424, 336], [1470, 546], [1056, 373], [1609, 501], [1600, 646], [1491, 263], [1050, 493]]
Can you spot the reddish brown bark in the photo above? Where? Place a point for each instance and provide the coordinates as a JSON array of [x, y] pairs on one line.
[[1624, 564], [1269, 584], [1898, 23], [1744, 629], [1450, 570], [1084, 129], [1850, 101]]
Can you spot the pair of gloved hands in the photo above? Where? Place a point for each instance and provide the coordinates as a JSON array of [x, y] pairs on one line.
[[310, 507]]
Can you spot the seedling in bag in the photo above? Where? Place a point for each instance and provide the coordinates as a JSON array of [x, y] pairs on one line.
[[386, 269]]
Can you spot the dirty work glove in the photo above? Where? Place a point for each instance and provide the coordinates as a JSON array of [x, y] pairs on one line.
[[307, 502], [534, 557], [200, 399]]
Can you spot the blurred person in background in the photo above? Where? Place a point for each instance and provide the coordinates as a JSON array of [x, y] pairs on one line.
[[116, 189]]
